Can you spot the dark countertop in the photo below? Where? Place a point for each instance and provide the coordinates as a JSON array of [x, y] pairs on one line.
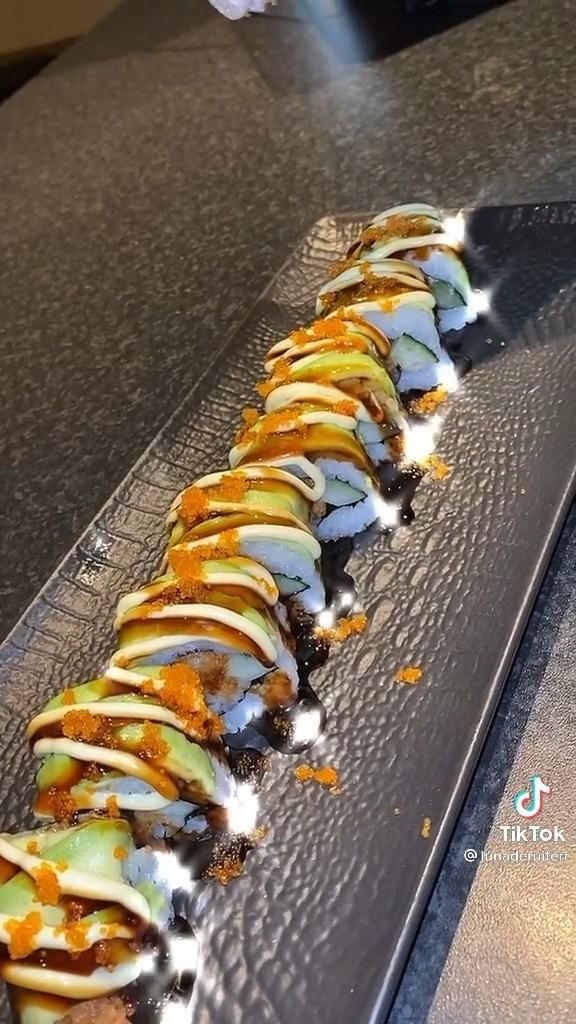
[[151, 182]]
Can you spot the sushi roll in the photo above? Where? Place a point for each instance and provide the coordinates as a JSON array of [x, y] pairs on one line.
[[103, 747], [310, 371], [230, 646], [267, 524], [208, 646], [74, 926], [418, 234], [393, 298], [326, 442]]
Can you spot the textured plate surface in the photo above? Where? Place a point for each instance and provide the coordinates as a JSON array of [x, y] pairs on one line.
[[320, 924]]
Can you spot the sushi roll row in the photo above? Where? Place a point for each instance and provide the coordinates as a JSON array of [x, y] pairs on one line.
[[209, 646]]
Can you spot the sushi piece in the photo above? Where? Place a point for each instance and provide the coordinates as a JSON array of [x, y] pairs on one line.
[[226, 631], [317, 372], [326, 442], [75, 924], [105, 748], [409, 322], [267, 524], [418, 234], [401, 306]]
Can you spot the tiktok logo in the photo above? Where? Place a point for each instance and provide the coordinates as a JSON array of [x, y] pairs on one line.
[[528, 802]]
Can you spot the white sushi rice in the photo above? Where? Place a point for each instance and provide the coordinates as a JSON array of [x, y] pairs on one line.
[[428, 376], [370, 435], [352, 516], [408, 319], [290, 561], [440, 265]]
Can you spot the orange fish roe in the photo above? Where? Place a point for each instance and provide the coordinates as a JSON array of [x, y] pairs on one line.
[[331, 327], [84, 726], [75, 935], [120, 853], [112, 808], [265, 387], [277, 690], [182, 692], [75, 910], [193, 505], [61, 865], [345, 628], [430, 401], [353, 343], [68, 697], [22, 934], [104, 954], [225, 869], [280, 422], [249, 415], [411, 674], [280, 373], [146, 611], [339, 266], [187, 562], [398, 226], [232, 487], [61, 803], [324, 776], [32, 847], [47, 885], [346, 407], [438, 469], [186, 592], [426, 828], [152, 746]]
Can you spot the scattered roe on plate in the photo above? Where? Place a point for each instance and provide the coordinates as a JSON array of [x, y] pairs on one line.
[[438, 469], [411, 674], [23, 934], [68, 697], [32, 847], [225, 868], [426, 828], [47, 885], [326, 776], [429, 401], [120, 853], [340, 632]]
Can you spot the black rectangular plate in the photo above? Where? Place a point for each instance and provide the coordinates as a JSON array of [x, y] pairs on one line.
[[319, 926]]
